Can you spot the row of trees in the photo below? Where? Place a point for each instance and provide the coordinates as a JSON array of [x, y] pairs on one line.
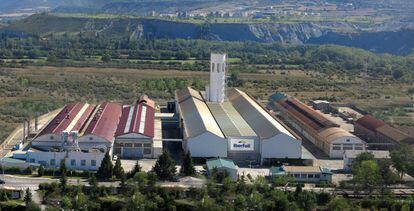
[[84, 48], [164, 169]]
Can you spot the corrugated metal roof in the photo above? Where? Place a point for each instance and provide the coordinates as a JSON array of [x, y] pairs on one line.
[[186, 93], [197, 118], [263, 124], [72, 117], [369, 122], [105, 121], [229, 120], [331, 134], [305, 114], [393, 133], [138, 119]]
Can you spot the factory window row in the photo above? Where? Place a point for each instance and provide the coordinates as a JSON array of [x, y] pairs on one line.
[[305, 176], [52, 162], [347, 146], [133, 145]]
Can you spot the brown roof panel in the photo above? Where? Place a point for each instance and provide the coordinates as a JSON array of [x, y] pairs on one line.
[[392, 133], [305, 114], [105, 121], [369, 122]]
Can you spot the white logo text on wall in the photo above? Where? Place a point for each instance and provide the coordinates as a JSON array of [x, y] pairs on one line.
[[241, 144]]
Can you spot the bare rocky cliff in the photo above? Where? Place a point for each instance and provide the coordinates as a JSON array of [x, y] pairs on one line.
[[400, 42]]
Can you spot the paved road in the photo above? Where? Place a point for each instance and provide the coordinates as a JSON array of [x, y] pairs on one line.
[[32, 183]]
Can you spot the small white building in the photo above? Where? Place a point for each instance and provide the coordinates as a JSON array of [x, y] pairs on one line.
[[350, 155], [305, 174], [220, 165], [75, 160]]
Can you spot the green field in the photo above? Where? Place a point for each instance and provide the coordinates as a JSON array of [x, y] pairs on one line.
[[33, 90]]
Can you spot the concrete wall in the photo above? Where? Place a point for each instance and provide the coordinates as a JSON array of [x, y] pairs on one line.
[[207, 145], [281, 146]]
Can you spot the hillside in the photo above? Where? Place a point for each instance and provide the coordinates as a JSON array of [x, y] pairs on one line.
[[399, 42]]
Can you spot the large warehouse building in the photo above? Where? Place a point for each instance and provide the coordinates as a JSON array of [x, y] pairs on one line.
[[136, 131], [379, 134], [234, 127], [82, 133], [323, 133]]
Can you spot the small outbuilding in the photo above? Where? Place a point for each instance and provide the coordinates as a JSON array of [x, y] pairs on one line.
[[306, 174], [350, 155], [221, 165]]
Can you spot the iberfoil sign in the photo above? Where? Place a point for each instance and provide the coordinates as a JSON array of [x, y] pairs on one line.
[[241, 145]]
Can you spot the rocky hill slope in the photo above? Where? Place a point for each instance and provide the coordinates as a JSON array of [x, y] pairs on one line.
[[398, 42]]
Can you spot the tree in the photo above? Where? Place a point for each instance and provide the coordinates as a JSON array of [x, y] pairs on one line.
[[367, 175], [187, 165], [306, 200], [66, 203], [388, 176], [106, 58], [27, 197], [51, 58], [402, 159], [136, 169], [63, 177], [41, 171], [338, 203], [165, 167], [63, 182], [358, 160], [93, 182], [397, 74], [106, 169], [62, 170], [118, 170]]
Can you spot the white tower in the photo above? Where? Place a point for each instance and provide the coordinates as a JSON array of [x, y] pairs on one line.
[[216, 91]]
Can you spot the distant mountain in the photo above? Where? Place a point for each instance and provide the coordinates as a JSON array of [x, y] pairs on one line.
[[400, 42], [9, 6]]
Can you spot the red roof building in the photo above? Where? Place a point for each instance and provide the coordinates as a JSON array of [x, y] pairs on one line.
[[138, 119], [104, 121], [71, 118]]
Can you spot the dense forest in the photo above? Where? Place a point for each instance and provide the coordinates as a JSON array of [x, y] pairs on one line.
[[69, 50]]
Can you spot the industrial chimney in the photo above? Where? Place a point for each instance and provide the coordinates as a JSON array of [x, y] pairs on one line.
[[216, 91]]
